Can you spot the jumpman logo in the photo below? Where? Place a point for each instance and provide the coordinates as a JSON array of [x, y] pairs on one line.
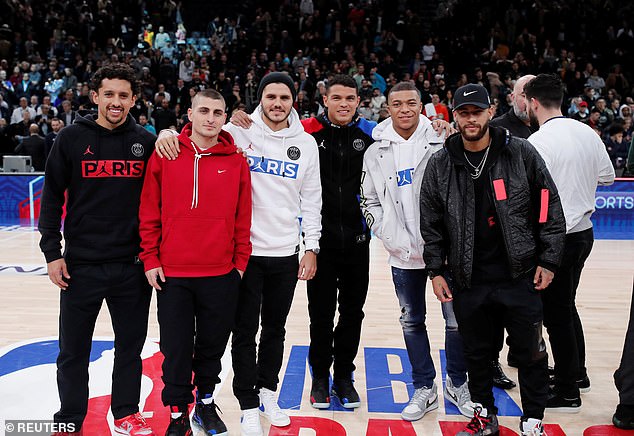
[[250, 147], [103, 170], [88, 151]]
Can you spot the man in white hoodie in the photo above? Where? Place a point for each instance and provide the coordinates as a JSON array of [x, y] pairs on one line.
[[393, 170], [286, 185]]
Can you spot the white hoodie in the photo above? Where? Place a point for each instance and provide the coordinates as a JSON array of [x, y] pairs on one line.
[[285, 183], [389, 205]]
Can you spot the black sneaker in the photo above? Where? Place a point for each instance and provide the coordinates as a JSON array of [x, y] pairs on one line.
[[584, 385], [560, 403], [624, 417], [179, 426], [206, 417], [481, 425], [500, 380], [347, 394], [319, 397]]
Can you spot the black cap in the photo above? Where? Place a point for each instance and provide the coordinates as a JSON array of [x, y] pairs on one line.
[[476, 95], [277, 77]]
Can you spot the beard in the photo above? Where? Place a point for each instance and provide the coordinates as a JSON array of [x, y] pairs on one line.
[[533, 118], [476, 136], [521, 114]]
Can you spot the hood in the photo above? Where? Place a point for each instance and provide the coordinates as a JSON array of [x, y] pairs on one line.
[[90, 121], [294, 128], [225, 145], [384, 132], [623, 106]]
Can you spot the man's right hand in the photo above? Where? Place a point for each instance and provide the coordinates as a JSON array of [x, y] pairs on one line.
[[153, 275], [441, 289], [241, 119], [57, 272], [167, 145]]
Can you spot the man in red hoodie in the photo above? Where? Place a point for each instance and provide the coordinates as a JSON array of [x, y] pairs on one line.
[[195, 251]]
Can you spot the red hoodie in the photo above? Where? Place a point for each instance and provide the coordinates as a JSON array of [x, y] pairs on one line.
[[195, 213]]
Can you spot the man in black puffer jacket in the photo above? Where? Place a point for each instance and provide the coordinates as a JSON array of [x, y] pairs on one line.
[[492, 220]]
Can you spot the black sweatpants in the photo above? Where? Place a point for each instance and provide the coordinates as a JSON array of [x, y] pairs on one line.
[[196, 315], [127, 294], [520, 307], [342, 277], [561, 317], [624, 376], [266, 291]]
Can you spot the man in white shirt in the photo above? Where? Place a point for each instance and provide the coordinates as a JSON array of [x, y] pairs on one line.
[[578, 162]]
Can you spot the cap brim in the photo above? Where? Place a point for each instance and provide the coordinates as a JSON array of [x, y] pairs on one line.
[[478, 104]]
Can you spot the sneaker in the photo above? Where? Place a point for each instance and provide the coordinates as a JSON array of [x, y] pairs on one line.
[[132, 425], [423, 400], [179, 426], [624, 417], [500, 380], [559, 403], [206, 417], [459, 396], [250, 423], [319, 397], [270, 409], [347, 394], [531, 427], [584, 385], [481, 424]]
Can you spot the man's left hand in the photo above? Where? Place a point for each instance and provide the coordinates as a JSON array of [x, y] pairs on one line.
[[542, 279]]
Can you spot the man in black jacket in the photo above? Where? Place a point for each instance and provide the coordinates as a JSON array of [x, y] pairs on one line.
[[516, 120], [100, 161], [34, 146], [491, 219]]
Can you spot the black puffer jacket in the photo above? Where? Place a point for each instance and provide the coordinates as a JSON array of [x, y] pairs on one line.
[[525, 198]]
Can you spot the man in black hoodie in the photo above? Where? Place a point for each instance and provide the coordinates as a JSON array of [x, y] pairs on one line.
[[100, 160]]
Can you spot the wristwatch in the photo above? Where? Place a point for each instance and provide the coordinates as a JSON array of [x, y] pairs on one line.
[[314, 250]]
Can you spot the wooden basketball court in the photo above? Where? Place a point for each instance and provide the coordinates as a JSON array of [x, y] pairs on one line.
[[29, 311]]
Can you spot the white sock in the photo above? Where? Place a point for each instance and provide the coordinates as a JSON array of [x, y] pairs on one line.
[[176, 415], [207, 400]]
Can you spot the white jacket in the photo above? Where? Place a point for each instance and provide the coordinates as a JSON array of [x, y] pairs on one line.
[[285, 183], [379, 185]]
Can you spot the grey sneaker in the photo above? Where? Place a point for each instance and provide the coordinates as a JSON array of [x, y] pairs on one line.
[[460, 397], [423, 400]]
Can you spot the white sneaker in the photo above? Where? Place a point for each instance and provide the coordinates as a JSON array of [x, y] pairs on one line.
[[532, 427], [460, 397], [423, 400], [250, 423], [271, 409]]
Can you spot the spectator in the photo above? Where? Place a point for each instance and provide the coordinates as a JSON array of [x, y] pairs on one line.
[[34, 146], [164, 117], [56, 126], [583, 113], [143, 122], [616, 146], [18, 113]]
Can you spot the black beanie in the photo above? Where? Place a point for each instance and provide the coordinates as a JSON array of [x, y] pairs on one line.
[[277, 77]]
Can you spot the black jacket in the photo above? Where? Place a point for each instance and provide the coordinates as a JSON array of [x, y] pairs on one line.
[[35, 147], [513, 124], [103, 172], [526, 202], [341, 150]]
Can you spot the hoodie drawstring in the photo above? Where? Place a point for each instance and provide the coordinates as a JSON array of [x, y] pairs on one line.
[[197, 156]]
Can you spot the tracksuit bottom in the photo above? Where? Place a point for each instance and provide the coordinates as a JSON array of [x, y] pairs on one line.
[[561, 318], [624, 376], [341, 283], [196, 315], [127, 294], [520, 306], [266, 293]]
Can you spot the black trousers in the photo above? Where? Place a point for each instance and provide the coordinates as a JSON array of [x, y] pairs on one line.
[[196, 315], [561, 318], [624, 376], [341, 278], [266, 293], [127, 294], [520, 307]]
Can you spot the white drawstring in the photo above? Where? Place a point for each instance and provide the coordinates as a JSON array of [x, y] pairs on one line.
[[197, 156]]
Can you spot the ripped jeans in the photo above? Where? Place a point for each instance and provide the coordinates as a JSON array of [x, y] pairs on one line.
[[410, 290]]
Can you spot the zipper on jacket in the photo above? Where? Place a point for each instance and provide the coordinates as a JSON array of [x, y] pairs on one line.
[[340, 186], [502, 224]]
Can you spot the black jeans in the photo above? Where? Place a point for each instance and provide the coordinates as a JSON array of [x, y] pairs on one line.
[[266, 291], [343, 278], [520, 307], [196, 315], [127, 294], [624, 376], [561, 317]]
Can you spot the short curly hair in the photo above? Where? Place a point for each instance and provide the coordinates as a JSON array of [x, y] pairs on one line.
[[114, 71]]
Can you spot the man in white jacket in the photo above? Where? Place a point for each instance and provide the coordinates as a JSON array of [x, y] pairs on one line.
[[286, 185], [393, 169]]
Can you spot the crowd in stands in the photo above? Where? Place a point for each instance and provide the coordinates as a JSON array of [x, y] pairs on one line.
[[48, 51]]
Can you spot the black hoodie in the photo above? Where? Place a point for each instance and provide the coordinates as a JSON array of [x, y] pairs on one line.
[[102, 171]]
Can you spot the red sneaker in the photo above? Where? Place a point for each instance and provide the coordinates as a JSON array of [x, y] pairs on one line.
[[132, 425]]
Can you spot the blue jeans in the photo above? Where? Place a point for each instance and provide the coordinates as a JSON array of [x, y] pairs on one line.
[[410, 290]]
